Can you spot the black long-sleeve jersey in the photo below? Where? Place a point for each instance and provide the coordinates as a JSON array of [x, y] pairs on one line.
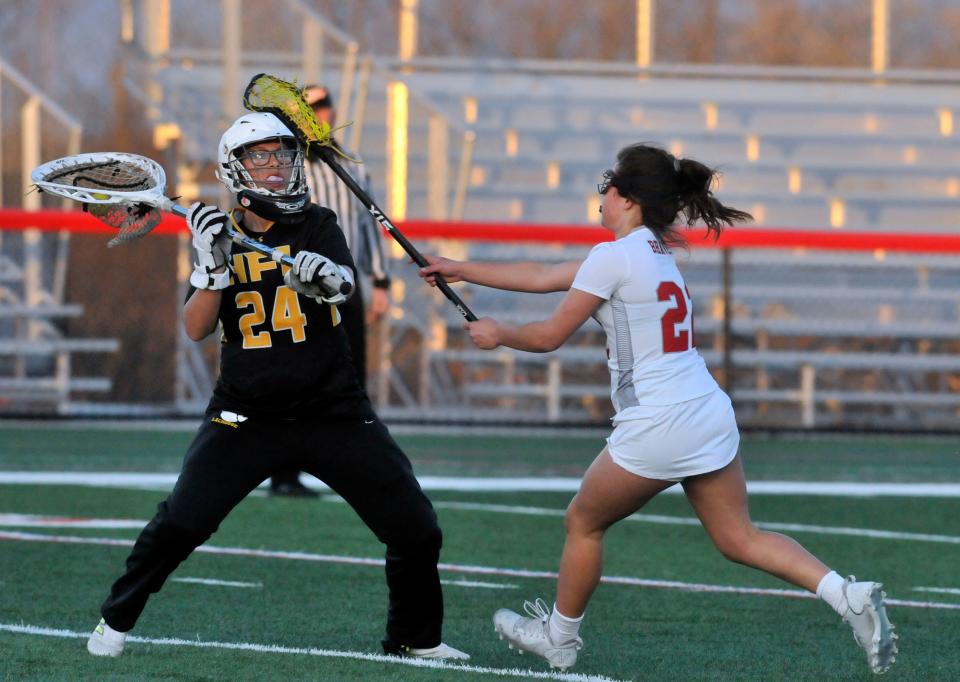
[[283, 355]]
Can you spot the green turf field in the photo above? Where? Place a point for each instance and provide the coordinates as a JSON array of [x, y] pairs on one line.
[[314, 619]]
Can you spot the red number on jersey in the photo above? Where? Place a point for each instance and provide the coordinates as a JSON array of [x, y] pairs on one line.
[[674, 340]]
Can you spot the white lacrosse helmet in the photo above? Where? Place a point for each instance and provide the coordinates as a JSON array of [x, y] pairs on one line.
[[250, 129]]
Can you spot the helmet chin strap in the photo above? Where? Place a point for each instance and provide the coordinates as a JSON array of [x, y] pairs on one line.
[[276, 209]]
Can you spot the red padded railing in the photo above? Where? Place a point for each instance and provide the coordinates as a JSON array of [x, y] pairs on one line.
[[734, 238]]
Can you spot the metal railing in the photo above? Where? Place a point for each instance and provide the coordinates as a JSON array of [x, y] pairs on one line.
[[324, 49], [34, 354], [800, 337], [432, 383]]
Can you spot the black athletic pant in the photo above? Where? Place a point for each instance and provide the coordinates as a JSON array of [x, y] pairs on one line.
[[357, 458], [353, 319], [353, 316]]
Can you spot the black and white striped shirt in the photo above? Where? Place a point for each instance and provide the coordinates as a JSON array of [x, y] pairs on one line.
[[364, 236]]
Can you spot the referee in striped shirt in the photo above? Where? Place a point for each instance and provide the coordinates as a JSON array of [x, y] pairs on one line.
[[366, 243]]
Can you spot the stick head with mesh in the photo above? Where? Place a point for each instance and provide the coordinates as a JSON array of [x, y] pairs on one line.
[[121, 190], [108, 177]]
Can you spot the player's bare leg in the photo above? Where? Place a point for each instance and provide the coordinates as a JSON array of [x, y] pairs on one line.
[[607, 494], [720, 501]]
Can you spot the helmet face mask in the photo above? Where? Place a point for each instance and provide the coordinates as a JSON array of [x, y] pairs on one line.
[[253, 163], [245, 158]]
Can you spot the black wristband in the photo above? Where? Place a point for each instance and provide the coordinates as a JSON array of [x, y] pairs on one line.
[[381, 283]]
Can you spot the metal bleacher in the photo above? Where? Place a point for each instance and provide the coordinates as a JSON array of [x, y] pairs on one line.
[[37, 367], [793, 147], [851, 339], [819, 339]]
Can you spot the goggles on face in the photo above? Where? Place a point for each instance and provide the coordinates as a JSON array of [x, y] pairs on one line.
[[261, 157], [609, 180]]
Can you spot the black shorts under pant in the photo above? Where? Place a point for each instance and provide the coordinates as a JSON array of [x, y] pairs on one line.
[[357, 458]]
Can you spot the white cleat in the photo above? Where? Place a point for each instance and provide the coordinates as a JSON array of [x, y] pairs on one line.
[[533, 634], [872, 629], [441, 651], [105, 641]]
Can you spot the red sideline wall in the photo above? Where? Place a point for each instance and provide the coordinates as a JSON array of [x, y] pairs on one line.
[[736, 238]]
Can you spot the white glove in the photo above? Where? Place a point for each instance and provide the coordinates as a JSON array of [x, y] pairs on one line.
[[210, 240], [308, 267]]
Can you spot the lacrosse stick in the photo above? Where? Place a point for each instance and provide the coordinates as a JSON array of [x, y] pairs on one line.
[[125, 191], [285, 101]]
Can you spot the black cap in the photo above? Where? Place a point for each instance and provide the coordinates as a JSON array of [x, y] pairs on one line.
[[318, 97]]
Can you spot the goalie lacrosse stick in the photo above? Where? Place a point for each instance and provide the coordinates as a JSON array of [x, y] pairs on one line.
[[285, 101], [125, 191]]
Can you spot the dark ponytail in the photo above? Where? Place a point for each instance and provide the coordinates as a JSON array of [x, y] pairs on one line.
[[665, 187]]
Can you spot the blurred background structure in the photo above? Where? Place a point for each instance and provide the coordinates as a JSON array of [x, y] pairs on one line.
[[485, 127]]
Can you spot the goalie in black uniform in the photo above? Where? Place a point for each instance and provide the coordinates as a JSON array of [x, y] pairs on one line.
[[287, 396]]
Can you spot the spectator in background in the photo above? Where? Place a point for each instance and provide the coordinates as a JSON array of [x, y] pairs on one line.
[[366, 243]]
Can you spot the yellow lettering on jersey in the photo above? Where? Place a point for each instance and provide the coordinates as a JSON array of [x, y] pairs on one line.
[[239, 270], [249, 320], [259, 264], [287, 314]]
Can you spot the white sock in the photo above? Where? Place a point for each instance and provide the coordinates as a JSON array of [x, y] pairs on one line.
[[830, 590], [562, 628]]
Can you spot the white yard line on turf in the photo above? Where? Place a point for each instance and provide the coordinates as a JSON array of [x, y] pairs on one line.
[[498, 484], [940, 590], [459, 568], [474, 583], [690, 521], [211, 581], [38, 521], [325, 653]]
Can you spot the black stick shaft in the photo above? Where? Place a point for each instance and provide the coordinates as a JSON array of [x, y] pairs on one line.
[[328, 157]]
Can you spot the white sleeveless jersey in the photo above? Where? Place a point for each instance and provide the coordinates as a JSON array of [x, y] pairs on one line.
[[648, 317]]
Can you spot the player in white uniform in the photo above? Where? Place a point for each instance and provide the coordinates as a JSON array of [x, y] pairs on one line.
[[673, 423]]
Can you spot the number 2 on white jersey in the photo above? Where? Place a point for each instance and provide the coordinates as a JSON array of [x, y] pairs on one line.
[[675, 340]]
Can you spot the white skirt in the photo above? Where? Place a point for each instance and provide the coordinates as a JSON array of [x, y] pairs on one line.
[[671, 442]]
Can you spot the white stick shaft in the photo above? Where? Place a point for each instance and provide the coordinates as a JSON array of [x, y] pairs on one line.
[[335, 284]]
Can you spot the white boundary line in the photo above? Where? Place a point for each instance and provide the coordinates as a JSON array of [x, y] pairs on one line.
[[211, 581], [325, 653], [940, 590], [499, 484], [474, 583], [397, 425], [688, 521], [45, 521], [461, 568]]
